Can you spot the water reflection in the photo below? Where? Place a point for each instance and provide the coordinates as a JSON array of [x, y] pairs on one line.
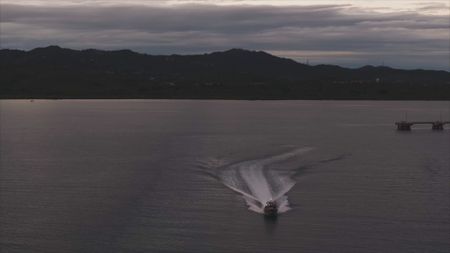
[[270, 224]]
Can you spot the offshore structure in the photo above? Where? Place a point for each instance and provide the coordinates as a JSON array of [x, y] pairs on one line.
[[435, 125]]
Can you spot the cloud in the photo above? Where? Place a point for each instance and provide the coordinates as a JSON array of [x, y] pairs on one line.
[[339, 34]]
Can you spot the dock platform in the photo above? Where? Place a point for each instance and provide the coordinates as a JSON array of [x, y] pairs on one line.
[[435, 125]]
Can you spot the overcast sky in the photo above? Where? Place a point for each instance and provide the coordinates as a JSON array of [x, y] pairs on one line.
[[400, 33]]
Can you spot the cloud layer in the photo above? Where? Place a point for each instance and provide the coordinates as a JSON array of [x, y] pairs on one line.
[[338, 34]]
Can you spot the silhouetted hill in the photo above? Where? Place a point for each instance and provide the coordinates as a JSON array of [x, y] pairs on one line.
[[55, 72]]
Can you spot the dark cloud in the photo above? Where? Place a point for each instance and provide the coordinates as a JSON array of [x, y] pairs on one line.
[[344, 35], [430, 6]]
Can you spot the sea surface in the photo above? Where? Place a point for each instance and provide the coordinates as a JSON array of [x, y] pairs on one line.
[[191, 176]]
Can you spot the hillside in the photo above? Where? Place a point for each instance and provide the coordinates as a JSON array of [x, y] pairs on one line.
[[55, 72]]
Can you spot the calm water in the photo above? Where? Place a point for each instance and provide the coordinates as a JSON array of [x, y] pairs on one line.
[[165, 176]]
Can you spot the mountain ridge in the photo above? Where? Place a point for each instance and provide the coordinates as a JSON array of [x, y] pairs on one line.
[[235, 73], [234, 51]]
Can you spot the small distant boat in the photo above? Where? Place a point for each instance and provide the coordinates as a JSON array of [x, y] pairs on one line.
[[271, 209]]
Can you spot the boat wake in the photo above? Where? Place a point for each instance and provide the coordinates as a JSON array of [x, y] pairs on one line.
[[259, 180]]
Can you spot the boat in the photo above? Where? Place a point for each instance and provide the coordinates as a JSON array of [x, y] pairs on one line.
[[271, 209]]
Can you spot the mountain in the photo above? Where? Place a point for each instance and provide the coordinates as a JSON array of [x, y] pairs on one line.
[[54, 72]]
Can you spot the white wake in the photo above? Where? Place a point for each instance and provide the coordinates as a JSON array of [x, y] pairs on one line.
[[258, 181]]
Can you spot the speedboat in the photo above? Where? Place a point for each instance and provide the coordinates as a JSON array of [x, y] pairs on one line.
[[271, 209]]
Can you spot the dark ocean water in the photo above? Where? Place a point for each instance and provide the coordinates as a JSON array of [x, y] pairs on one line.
[[165, 176]]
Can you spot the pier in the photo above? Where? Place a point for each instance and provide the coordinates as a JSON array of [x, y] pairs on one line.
[[435, 125]]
